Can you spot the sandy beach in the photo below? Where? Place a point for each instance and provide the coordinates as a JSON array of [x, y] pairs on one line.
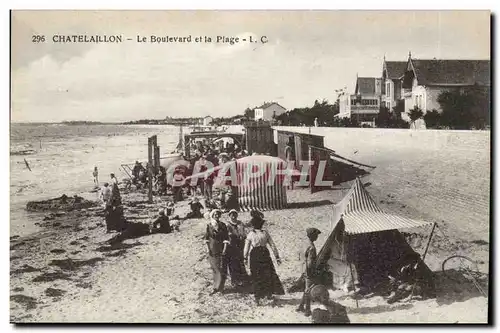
[[69, 274]]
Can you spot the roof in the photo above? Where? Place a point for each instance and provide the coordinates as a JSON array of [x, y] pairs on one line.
[[361, 213], [268, 104], [395, 69], [452, 72], [365, 85]]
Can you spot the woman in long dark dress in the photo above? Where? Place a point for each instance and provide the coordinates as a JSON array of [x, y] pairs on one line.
[[236, 264], [217, 239], [265, 280]]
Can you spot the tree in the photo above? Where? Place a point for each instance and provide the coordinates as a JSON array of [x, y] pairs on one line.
[[323, 111], [384, 117], [465, 109], [249, 113], [432, 119], [415, 113]]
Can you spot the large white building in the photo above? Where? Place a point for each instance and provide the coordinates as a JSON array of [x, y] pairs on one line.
[[364, 104]]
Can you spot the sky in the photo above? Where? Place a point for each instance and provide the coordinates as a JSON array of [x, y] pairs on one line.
[[309, 54]]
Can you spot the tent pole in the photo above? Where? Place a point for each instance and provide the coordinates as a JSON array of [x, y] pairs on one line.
[[429, 241], [352, 278], [423, 256]]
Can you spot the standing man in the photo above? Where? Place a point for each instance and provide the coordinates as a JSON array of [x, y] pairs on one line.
[[309, 271]]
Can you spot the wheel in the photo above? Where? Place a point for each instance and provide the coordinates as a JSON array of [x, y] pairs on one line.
[[464, 266]]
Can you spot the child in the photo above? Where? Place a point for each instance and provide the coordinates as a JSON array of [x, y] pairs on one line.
[[328, 312], [309, 271], [196, 208], [96, 176]]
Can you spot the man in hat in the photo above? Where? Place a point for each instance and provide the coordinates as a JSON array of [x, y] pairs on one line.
[[309, 270]]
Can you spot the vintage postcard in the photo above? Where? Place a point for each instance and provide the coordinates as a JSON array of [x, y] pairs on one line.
[[250, 167]]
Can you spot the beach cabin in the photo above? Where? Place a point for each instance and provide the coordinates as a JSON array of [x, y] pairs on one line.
[[302, 142], [259, 138]]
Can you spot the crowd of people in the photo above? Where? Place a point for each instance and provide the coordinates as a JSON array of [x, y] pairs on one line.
[[236, 251], [234, 245]]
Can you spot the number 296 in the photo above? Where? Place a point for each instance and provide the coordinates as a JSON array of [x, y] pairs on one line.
[[37, 39]]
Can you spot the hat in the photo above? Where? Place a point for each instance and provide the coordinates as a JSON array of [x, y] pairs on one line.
[[256, 214], [319, 293], [233, 211], [257, 222], [215, 211], [312, 232]]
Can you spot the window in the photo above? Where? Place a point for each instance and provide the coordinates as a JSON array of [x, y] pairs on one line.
[[388, 89]]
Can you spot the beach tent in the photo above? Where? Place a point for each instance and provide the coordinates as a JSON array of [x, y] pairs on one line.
[[257, 180], [365, 241]]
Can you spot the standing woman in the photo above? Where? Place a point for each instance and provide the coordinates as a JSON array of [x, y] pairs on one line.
[[236, 265], [265, 280], [217, 239]]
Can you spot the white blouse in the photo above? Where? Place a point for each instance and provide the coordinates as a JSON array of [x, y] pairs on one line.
[[256, 238]]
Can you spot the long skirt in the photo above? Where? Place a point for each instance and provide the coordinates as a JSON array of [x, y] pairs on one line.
[[265, 280], [236, 266], [219, 269]]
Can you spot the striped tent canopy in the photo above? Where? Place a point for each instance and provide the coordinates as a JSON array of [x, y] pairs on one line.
[[265, 192], [257, 180], [362, 215]]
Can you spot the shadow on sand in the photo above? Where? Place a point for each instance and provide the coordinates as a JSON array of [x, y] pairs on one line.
[[310, 204], [452, 286], [380, 308]]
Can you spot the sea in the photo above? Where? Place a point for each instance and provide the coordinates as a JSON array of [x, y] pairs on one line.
[[64, 156]]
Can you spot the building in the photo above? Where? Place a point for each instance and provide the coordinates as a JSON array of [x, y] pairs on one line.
[[364, 104], [268, 111], [424, 80], [207, 121], [392, 72]]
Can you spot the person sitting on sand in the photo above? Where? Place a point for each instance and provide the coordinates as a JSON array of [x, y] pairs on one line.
[[114, 218], [196, 208], [410, 277], [170, 208], [105, 195], [96, 177], [161, 224], [327, 311]]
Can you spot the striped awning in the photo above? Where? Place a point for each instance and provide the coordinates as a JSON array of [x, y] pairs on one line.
[[259, 181], [362, 215]]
